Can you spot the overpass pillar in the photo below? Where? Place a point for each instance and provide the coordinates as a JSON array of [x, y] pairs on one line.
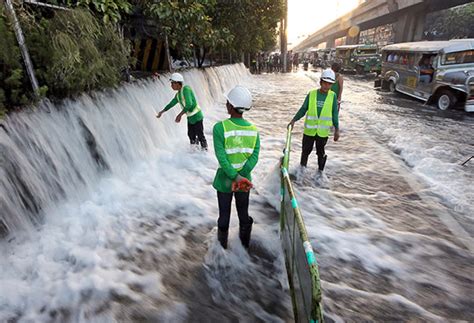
[[353, 40], [410, 26], [330, 42]]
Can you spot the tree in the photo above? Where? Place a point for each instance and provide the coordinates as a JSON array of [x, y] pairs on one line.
[[200, 27], [252, 23], [110, 10], [452, 23], [188, 26]]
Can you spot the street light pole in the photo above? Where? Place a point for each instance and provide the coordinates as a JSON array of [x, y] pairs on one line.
[[283, 35]]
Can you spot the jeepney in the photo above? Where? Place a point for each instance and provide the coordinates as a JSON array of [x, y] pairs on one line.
[[359, 58], [440, 72]]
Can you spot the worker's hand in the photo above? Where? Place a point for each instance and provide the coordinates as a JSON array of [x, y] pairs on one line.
[[245, 185], [336, 135], [159, 114], [235, 186], [241, 184], [178, 118], [291, 124]]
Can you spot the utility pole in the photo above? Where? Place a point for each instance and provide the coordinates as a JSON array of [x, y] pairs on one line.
[[24, 50], [283, 36]]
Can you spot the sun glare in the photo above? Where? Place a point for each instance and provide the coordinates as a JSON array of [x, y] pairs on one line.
[[307, 16]]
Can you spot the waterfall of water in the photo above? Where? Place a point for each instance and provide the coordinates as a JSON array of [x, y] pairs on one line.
[[59, 152]]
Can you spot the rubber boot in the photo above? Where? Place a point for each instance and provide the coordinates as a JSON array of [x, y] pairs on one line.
[[322, 162], [244, 234], [222, 237], [204, 144]]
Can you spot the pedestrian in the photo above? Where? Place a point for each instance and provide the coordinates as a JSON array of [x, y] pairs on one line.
[[185, 97], [236, 145], [320, 108], [339, 84]]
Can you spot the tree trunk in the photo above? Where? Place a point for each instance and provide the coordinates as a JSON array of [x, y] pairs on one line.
[[168, 56], [194, 57], [202, 56]]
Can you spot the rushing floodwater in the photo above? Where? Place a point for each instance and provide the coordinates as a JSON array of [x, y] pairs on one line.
[[112, 217]]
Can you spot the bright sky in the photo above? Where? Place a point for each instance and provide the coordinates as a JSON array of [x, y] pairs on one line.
[[307, 16]]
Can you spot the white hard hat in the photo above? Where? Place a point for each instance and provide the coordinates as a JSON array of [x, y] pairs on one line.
[[176, 77], [240, 97], [328, 76]]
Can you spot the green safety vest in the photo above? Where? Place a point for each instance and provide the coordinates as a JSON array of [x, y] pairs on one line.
[[239, 143], [313, 124], [182, 101]]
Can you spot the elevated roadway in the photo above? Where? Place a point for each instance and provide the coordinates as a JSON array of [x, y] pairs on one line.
[[407, 16]]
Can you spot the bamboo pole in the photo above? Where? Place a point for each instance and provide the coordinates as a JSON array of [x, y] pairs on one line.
[[24, 50]]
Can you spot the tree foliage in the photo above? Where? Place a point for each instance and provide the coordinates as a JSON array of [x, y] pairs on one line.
[[452, 23], [11, 71], [81, 49], [240, 26], [71, 53], [252, 23], [110, 10]]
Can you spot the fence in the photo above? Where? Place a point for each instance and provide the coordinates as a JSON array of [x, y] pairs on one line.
[[301, 265]]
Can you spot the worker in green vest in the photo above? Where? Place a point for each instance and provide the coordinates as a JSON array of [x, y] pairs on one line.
[[185, 97], [338, 86], [321, 110], [236, 145]]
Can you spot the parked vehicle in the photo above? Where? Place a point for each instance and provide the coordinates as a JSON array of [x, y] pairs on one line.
[[441, 72], [359, 58]]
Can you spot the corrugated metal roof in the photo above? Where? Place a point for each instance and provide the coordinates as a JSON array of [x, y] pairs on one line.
[[445, 46]]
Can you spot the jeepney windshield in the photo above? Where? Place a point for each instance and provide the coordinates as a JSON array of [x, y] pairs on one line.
[[463, 57], [367, 51]]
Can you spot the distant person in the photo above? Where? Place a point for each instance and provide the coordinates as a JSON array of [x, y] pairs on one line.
[[426, 70], [236, 145], [338, 86], [320, 108], [185, 97]]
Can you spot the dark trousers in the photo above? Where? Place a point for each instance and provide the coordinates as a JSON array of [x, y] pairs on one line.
[[196, 134], [241, 201], [308, 144]]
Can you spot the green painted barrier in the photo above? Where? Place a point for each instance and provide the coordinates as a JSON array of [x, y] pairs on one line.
[[301, 265]]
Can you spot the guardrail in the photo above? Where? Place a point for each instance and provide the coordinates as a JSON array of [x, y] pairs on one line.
[[301, 265]]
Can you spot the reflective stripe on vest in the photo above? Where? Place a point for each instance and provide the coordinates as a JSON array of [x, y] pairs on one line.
[[182, 102], [321, 125], [239, 143]]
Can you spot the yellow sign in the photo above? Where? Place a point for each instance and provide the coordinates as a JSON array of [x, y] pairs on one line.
[[411, 81]]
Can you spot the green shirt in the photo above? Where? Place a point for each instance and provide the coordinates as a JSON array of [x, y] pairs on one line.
[[191, 103], [321, 97], [335, 87], [226, 173]]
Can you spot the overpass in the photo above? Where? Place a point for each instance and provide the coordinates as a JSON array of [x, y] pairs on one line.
[[407, 17]]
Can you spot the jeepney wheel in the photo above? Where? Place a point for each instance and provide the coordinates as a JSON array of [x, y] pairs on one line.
[[391, 86], [445, 100], [359, 69]]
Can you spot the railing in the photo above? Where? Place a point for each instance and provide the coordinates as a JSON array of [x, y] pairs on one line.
[[301, 265]]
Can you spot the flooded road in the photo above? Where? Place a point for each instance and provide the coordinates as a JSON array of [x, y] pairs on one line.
[[134, 240], [393, 227]]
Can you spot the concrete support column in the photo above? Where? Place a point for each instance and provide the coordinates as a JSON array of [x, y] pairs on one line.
[[419, 26], [353, 40], [409, 27], [330, 43]]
